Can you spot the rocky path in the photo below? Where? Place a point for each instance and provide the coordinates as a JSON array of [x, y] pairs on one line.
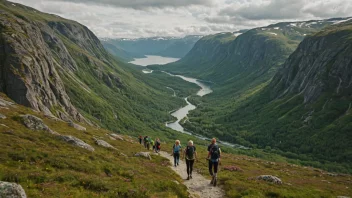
[[198, 186]]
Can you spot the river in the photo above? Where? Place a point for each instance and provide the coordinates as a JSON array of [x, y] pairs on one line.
[[182, 113]]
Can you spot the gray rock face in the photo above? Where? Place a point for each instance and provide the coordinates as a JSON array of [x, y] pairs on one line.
[[28, 72], [144, 154], [77, 126], [77, 142], [35, 123], [11, 190], [322, 63], [104, 144], [270, 178]]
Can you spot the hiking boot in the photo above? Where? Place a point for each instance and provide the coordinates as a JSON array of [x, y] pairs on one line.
[[215, 181], [191, 176], [212, 180], [188, 178]]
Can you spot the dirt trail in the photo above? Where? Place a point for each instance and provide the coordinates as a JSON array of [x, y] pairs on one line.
[[198, 186]]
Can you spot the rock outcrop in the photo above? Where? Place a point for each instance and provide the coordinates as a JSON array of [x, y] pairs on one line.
[[77, 142], [77, 126], [34, 123], [30, 55], [322, 63], [270, 178], [11, 190], [144, 154], [116, 136], [104, 144]]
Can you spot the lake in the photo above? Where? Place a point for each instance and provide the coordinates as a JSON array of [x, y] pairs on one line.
[[153, 60]]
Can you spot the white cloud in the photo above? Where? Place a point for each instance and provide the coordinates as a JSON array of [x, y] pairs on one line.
[[146, 18]]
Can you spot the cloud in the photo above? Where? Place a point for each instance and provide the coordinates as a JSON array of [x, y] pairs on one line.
[[148, 18], [286, 9], [142, 4]]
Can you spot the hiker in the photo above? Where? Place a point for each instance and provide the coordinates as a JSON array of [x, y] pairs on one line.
[[214, 153], [145, 141], [176, 152], [157, 145], [190, 156], [152, 143], [140, 139], [148, 143]]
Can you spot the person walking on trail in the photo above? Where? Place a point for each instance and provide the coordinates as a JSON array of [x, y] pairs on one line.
[[157, 145], [176, 149], [149, 141], [140, 139], [214, 154], [153, 144], [190, 156], [145, 141]]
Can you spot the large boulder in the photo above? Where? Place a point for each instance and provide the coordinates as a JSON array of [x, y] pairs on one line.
[[11, 190], [104, 144], [144, 154], [77, 142], [77, 126], [270, 178], [34, 123]]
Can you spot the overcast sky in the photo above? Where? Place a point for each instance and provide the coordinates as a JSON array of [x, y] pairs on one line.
[[147, 18]]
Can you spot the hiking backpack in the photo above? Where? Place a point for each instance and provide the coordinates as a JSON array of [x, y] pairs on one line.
[[177, 148], [215, 152], [190, 150]]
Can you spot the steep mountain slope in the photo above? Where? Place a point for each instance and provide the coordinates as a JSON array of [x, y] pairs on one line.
[[59, 67], [161, 46], [255, 52], [304, 111]]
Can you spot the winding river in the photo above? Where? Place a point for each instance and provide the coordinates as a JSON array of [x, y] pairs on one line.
[[182, 113]]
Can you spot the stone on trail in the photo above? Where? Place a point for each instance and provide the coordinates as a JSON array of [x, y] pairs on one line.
[[77, 126], [77, 142], [270, 178], [104, 144], [34, 123], [11, 190], [144, 154]]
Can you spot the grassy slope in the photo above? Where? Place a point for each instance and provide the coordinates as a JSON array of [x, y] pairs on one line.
[[48, 167]]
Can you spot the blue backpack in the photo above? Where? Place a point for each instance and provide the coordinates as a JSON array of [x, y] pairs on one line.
[[177, 148]]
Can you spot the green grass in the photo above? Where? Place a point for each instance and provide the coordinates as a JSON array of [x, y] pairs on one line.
[[48, 167]]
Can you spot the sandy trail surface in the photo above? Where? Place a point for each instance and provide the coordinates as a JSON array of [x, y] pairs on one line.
[[199, 186]]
